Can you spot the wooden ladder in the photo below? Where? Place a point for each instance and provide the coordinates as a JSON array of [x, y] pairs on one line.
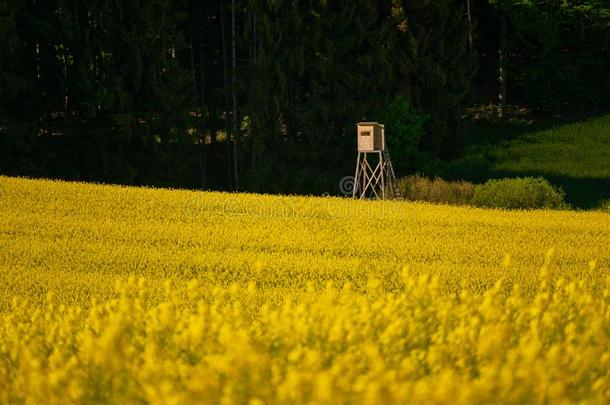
[[391, 174]]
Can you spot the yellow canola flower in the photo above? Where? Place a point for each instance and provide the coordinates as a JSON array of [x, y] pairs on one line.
[[124, 295]]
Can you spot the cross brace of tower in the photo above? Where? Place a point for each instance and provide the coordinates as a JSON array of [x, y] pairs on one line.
[[374, 175]]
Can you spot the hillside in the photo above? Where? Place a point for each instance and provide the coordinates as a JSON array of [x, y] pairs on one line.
[[574, 156], [579, 151], [113, 294]]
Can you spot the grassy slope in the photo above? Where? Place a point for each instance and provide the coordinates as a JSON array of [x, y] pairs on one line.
[[580, 150], [574, 156], [77, 240]]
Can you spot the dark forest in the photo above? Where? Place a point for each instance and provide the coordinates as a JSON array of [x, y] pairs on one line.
[[264, 95]]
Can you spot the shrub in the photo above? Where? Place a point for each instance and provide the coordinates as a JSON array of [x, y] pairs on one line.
[[420, 188], [604, 205], [519, 193]]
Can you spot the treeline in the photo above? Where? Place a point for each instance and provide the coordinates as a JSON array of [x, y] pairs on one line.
[[263, 95]]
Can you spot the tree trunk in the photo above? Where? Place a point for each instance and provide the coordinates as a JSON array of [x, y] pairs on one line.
[[470, 34], [226, 96], [252, 129], [502, 65], [78, 124], [201, 129], [203, 140], [234, 97]]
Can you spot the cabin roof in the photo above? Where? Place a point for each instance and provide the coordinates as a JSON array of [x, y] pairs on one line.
[[370, 123]]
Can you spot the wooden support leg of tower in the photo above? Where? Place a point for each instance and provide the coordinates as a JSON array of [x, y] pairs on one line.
[[380, 180], [356, 178], [382, 170], [372, 179]]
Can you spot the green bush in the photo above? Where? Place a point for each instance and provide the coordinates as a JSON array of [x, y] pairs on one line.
[[604, 205], [519, 193], [437, 190]]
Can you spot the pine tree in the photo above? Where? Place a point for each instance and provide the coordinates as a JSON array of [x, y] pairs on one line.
[[437, 70], [320, 68]]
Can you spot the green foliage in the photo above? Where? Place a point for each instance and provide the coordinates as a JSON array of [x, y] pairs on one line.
[[438, 71], [573, 156], [404, 128], [474, 165], [436, 190], [323, 66], [584, 81], [519, 193], [558, 51], [604, 206], [125, 91], [578, 150]]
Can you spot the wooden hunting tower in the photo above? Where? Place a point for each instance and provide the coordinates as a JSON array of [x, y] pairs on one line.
[[371, 137], [374, 174]]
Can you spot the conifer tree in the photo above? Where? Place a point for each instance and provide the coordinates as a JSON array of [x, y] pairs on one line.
[[437, 69]]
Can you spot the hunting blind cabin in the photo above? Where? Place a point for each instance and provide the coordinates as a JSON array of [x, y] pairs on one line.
[[374, 172]]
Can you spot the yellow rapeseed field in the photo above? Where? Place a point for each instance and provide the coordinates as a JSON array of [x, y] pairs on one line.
[[128, 295]]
